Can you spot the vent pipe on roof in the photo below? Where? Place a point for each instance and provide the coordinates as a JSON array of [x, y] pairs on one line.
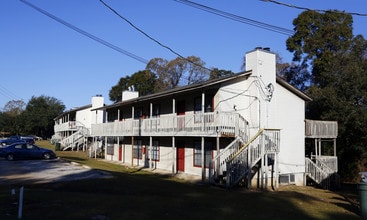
[[263, 48]]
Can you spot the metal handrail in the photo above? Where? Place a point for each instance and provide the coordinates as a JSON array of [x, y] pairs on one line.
[[237, 160], [316, 173], [241, 163]]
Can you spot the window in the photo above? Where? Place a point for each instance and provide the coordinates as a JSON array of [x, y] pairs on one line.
[[207, 108], [209, 103], [137, 149], [138, 113], [19, 146], [121, 116], [208, 148], [112, 116], [30, 147], [156, 111], [110, 145], [155, 151], [197, 109]]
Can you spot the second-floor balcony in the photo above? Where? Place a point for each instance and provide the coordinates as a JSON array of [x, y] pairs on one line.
[[68, 126], [211, 124], [321, 129]]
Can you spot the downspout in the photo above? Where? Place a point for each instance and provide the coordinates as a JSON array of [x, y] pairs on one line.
[[105, 145], [202, 137]]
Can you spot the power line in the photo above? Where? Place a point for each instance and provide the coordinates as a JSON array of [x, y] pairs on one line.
[[148, 36], [8, 94], [95, 38], [241, 19], [308, 9], [140, 30]]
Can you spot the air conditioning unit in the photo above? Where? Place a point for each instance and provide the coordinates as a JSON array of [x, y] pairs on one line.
[[287, 179]]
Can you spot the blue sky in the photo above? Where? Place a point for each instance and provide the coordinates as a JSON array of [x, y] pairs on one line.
[[39, 56]]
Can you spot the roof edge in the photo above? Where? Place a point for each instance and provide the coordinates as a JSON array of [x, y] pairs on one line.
[[293, 89], [179, 90]]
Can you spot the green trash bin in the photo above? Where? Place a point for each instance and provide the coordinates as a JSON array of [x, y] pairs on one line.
[[363, 195], [57, 146]]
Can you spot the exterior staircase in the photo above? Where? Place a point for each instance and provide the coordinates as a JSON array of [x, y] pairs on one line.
[[77, 139], [240, 160], [95, 149], [323, 171]]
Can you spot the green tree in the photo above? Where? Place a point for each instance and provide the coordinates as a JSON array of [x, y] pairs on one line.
[[318, 39], [295, 74], [11, 119], [6, 122], [39, 114], [337, 82], [143, 82]]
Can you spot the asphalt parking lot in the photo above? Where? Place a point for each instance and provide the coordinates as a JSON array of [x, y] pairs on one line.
[[45, 171]]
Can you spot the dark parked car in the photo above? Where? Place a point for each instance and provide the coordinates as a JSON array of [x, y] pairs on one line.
[[22, 150], [34, 137], [16, 138], [5, 142]]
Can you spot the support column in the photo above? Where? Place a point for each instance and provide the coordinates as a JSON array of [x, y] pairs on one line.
[[315, 147], [150, 137], [173, 154], [202, 138], [249, 166], [266, 168], [202, 111], [119, 152], [275, 166], [132, 136], [202, 159], [105, 150], [262, 172], [173, 137], [150, 151], [218, 159], [262, 162], [174, 113]]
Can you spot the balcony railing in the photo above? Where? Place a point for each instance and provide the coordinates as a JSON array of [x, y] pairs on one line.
[[330, 162], [321, 129], [202, 124], [67, 126]]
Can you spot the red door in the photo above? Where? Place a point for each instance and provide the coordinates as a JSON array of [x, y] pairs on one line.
[[181, 158], [120, 153]]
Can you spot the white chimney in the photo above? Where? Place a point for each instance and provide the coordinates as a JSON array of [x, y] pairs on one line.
[[97, 101], [129, 94], [262, 63]]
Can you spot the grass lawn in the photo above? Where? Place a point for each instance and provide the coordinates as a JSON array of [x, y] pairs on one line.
[[137, 194]]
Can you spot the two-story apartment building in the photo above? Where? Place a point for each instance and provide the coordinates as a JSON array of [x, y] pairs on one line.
[[247, 128], [73, 127]]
